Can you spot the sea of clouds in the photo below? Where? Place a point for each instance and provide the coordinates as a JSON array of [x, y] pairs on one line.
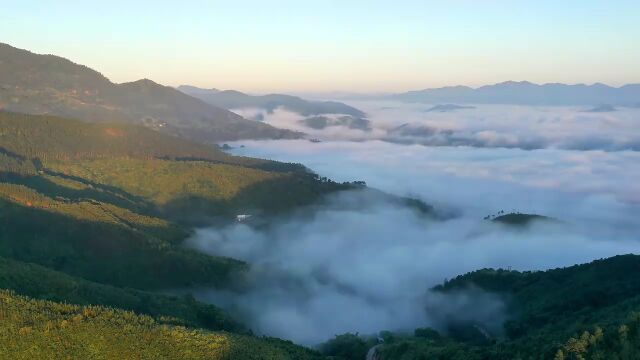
[[369, 269], [509, 126]]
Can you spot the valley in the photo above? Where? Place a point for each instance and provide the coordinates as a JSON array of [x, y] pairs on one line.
[[254, 180]]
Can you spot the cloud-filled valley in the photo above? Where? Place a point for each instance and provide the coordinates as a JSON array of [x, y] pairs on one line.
[[369, 269], [509, 126], [320, 181]]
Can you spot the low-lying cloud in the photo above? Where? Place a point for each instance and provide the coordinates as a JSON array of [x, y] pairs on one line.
[[368, 269], [508, 126], [284, 119]]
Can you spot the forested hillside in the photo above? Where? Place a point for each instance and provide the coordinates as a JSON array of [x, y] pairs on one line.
[[588, 311], [95, 214], [48, 84], [104, 201], [41, 329]]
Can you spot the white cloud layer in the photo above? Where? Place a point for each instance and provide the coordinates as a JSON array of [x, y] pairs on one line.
[[507, 126], [366, 270]]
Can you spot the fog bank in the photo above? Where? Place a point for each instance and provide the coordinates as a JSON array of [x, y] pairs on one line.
[[494, 126], [367, 270]]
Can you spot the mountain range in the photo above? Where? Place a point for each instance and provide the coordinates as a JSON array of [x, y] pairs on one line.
[[231, 99], [47, 84], [96, 207], [527, 93]]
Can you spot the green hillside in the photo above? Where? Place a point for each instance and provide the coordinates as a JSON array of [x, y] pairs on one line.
[[96, 214], [36, 329], [39, 282], [47, 84], [585, 311], [104, 201]]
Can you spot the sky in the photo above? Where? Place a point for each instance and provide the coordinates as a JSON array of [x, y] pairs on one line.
[[324, 46]]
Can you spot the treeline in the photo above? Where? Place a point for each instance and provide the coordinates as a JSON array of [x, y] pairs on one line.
[[582, 312], [53, 138], [36, 329]]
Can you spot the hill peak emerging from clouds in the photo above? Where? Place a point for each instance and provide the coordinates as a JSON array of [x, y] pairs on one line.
[[232, 99]]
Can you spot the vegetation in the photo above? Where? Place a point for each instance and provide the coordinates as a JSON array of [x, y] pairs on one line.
[[519, 219], [42, 283], [322, 122], [347, 346], [102, 242], [36, 329], [89, 214], [105, 201], [47, 84], [96, 214], [621, 342], [581, 312]]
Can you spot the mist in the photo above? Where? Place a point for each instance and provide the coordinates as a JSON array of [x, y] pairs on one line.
[[495, 126], [367, 269]]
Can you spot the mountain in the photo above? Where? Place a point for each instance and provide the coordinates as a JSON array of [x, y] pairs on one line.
[[93, 223], [231, 99], [526, 93], [602, 108], [587, 311], [48, 84], [448, 108], [104, 201], [322, 122], [96, 215]]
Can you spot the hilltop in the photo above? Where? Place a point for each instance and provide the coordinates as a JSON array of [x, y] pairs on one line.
[[47, 84]]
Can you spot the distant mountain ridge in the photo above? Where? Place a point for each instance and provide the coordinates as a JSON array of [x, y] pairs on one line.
[[448, 108], [47, 84], [232, 99], [527, 93]]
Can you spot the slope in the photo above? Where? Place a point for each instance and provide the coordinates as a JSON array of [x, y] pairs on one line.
[[230, 99], [36, 329], [105, 201], [550, 313], [42, 283], [47, 84]]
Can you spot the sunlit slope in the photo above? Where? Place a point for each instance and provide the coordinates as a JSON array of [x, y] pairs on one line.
[[39, 282], [36, 329], [104, 201]]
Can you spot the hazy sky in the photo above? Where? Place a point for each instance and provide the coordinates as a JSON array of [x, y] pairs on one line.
[[348, 45]]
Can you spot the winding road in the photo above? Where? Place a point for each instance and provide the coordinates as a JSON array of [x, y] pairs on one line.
[[372, 354]]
